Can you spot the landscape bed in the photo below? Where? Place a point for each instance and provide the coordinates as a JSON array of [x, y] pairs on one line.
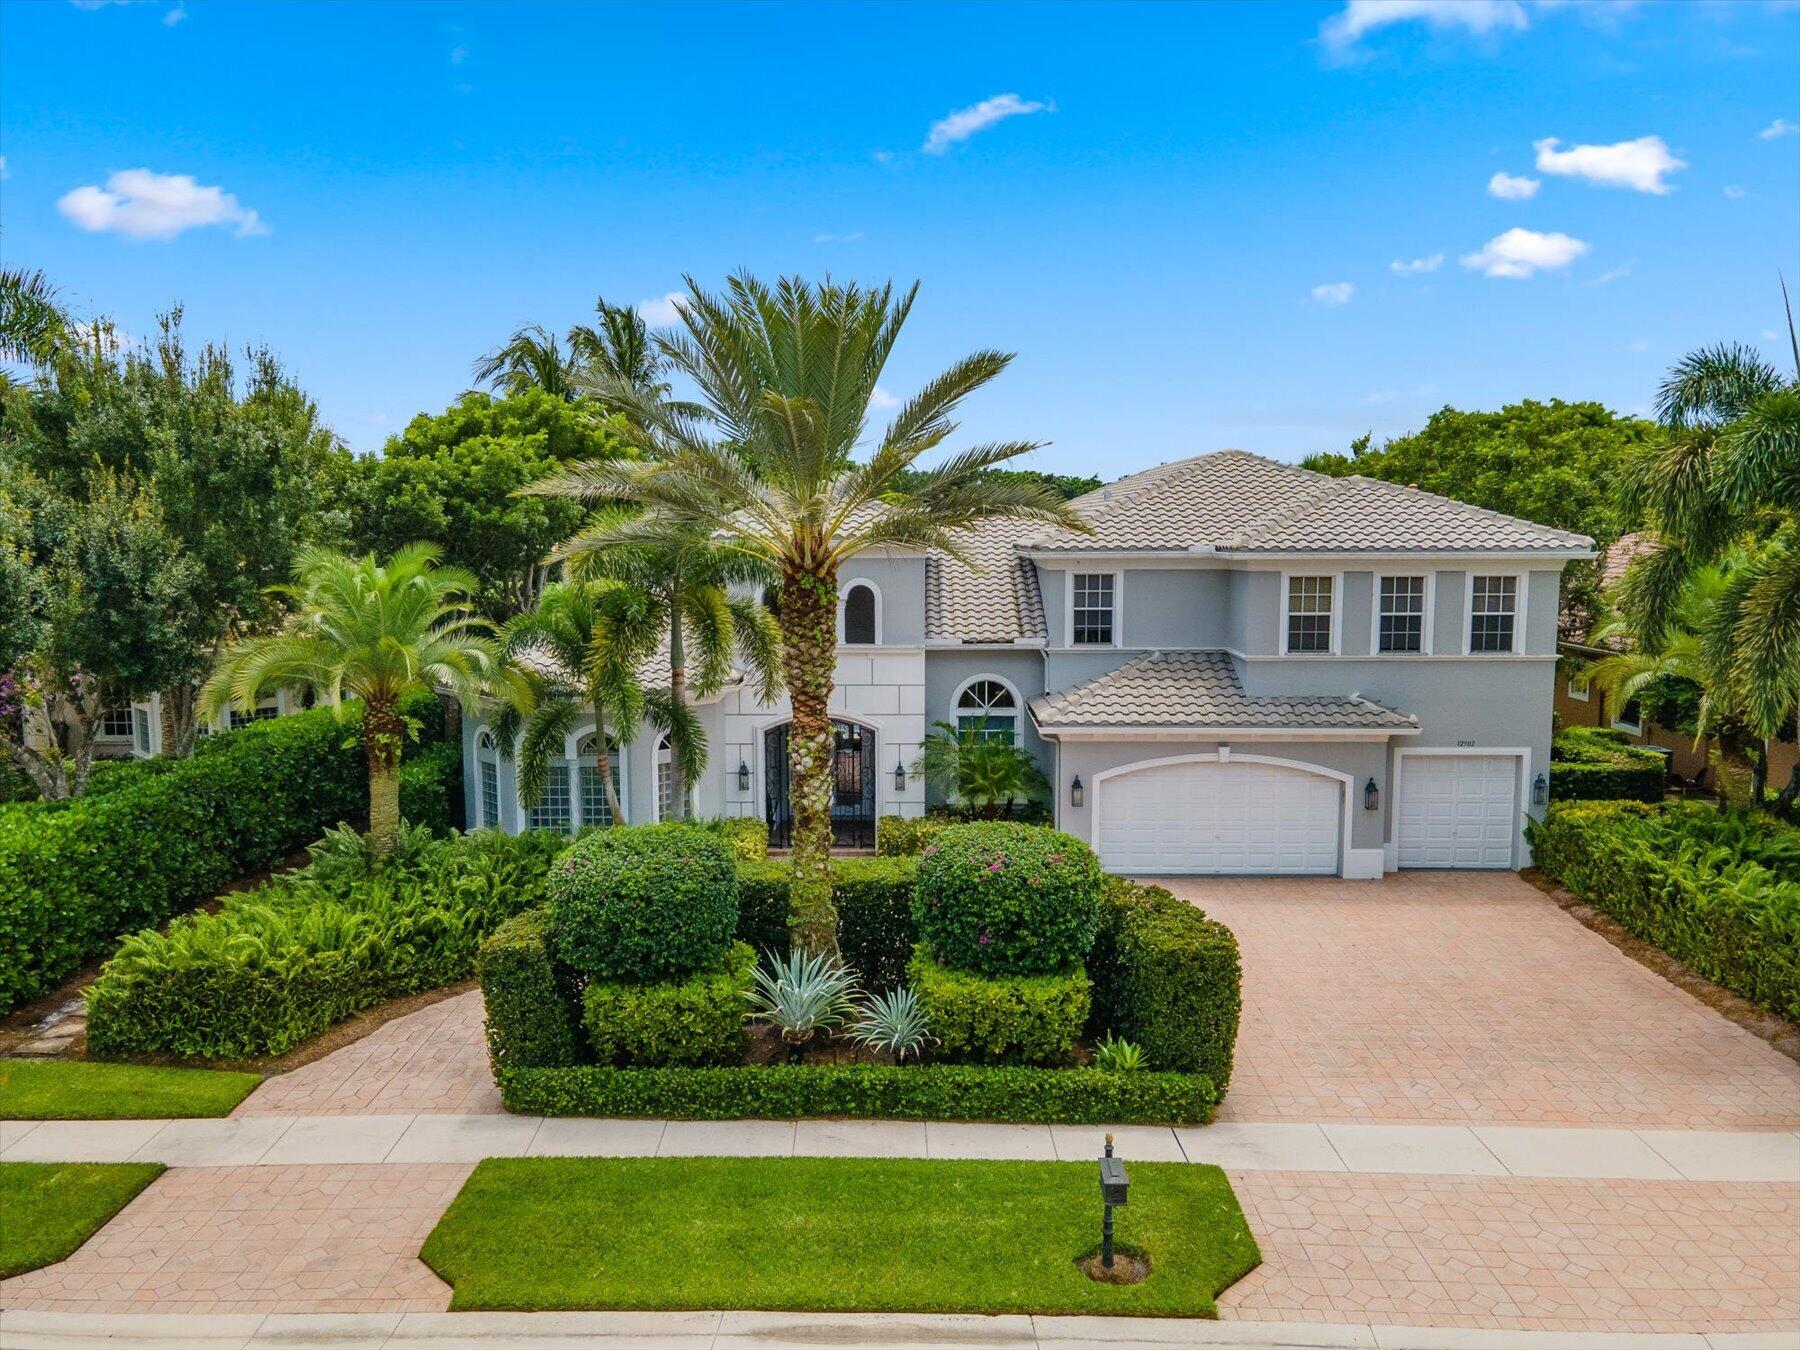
[[833, 1235], [47, 1210]]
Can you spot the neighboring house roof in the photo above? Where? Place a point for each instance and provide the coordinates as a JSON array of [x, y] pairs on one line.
[[1235, 502], [1201, 689], [1576, 624], [997, 600]]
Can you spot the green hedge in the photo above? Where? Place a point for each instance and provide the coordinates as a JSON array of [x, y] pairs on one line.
[[1719, 893], [1593, 764], [1001, 1019], [747, 836], [282, 963], [912, 1092], [697, 1019], [907, 836], [874, 904], [1008, 899], [1167, 978], [430, 782], [528, 1020]]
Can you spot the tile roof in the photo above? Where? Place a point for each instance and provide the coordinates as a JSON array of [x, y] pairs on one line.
[[1201, 689], [997, 600]]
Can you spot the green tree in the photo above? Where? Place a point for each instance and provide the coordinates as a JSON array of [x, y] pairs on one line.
[[786, 374], [1065, 485], [32, 319], [371, 631], [983, 770]]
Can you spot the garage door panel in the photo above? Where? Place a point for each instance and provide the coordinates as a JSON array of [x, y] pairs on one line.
[[1203, 816], [1457, 811]]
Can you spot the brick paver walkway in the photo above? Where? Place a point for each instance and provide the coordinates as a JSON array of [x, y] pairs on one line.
[[1504, 1252], [1470, 997]]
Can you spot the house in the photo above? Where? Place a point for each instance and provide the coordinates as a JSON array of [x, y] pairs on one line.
[[1246, 667]]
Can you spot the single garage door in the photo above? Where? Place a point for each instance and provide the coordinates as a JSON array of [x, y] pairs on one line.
[[1204, 816], [1457, 810]]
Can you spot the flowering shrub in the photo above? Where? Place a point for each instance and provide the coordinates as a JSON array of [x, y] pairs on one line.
[[1006, 899]]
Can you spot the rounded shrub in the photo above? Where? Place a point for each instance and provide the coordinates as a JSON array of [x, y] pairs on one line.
[[1006, 899], [643, 902]]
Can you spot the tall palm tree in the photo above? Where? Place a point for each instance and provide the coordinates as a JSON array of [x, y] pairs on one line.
[[532, 358], [371, 631], [770, 471]]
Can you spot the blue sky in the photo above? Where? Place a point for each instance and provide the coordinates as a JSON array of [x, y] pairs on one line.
[[1185, 220]]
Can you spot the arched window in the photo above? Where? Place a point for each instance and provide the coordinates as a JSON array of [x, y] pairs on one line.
[[595, 810], [862, 615], [990, 704], [665, 780]]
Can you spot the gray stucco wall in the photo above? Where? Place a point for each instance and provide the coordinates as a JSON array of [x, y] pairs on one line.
[[1176, 607], [947, 669], [1255, 612], [901, 582]]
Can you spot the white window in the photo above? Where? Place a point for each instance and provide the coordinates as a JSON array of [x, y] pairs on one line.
[[1493, 614], [490, 794], [140, 726], [1630, 719], [115, 724], [594, 807], [1310, 618], [861, 619], [1093, 609], [989, 704], [1578, 687], [1400, 614], [552, 809], [665, 780]]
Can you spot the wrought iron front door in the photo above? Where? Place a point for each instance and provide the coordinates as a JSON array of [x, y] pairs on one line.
[[852, 786]]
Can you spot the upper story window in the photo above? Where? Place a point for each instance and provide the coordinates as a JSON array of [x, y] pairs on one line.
[[989, 706], [1309, 613], [1400, 615], [862, 611], [1093, 612], [1493, 613]]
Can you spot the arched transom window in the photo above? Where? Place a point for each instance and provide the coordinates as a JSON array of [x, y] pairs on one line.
[[991, 705], [861, 615]]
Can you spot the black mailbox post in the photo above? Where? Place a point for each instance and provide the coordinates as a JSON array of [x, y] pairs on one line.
[[1115, 1187]]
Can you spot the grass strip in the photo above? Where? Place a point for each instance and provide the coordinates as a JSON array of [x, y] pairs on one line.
[[47, 1210], [73, 1089], [832, 1235]]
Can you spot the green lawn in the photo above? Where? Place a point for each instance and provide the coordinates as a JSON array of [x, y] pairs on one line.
[[71, 1089], [832, 1234], [47, 1210]]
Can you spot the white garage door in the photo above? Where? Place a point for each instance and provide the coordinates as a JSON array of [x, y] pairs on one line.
[[1204, 816], [1457, 810]]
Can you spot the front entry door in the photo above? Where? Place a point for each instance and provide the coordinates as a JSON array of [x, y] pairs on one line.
[[852, 786]]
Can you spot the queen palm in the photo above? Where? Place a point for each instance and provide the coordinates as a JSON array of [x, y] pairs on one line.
[[532, 358], [372, 631], [787, 374]]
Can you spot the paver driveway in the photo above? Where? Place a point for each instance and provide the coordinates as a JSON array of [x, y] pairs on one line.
[[1444, 996]]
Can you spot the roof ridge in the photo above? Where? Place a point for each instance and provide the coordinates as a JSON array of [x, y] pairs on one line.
[[1329, 487]]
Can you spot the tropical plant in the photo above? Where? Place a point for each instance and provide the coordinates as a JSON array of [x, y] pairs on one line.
[[981, 768], [787, 374], [372, 631], [892, 1023], [532, 358], [32, 320], [1117, 1056], [801, 995]]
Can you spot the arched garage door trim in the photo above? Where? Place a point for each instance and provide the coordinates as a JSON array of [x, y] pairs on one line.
[[1225, 756]]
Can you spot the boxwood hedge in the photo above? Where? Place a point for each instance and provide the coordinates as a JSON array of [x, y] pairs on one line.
[[1593, 764]]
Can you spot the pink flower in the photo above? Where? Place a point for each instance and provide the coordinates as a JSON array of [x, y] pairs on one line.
[[994, 866], [984, 939]]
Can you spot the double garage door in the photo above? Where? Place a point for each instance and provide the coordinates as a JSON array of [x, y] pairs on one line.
[[1242, 817]]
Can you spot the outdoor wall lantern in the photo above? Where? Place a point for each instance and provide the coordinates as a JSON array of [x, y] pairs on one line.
[[1075, 791], [1115, 1186], [899, 776], [1371, 796], [1540, 789], [743, 776]]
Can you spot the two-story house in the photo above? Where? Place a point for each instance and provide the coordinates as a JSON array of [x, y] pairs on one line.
[[1245, 668]]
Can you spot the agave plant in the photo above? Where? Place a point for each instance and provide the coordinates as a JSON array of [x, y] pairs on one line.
[[1118, 1056], [893, 1022], [803, 995]]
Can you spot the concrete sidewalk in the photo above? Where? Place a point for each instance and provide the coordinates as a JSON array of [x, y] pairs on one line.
[[1438, 1150]]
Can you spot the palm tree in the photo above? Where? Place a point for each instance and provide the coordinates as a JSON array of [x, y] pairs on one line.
[[981, 768], [31, 318], [371, 631], [787, 374], [1728, 480], [532, 358]]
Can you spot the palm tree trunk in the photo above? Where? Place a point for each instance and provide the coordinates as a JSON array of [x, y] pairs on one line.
[[383, 730], [809, 660], [603, 756], [677, 701], [1759, 774]]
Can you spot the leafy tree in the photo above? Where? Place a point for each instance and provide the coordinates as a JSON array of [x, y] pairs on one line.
[[980, 768], [786, 374], [1065, 485], [371, 631]]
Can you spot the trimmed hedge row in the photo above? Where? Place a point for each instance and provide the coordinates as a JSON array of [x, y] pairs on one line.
[[693, 1020], [1721, 894], [911, 1092], [529, 1023], [1001, 1019], [1593, 764], [908, 836], [874, 904]]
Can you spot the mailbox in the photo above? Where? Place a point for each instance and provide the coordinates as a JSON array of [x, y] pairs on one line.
[[1114, 1183]]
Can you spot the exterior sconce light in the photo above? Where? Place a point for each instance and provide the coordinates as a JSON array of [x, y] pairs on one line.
[[1115, 1186], [899, 776], [1371, 796], [1540, 789], [1075, 791], [743, 776]]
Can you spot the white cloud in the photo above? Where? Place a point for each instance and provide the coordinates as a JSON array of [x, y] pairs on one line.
[[1735, 193], [1359, 17], [1521, 253], [1639, 165], [882, 156], [662, 311], [882, 399], [1334, 293], [850, 238], [965, 122], [1512, 187], [1777, 129], [145, 205], [1770, 335], [1612, 274], [1417, 265], [175, 16]]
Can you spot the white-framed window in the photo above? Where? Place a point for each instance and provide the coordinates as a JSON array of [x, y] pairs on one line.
[[1402, 614], [665, 779], [115, 724], [490, 794], [1630, 719], [989, 702], [1578, 686], [552, 811], [592, 797], [1496, 605], [1309, 614], [140, 730], [859, 615], [265, 709], [1093, 609]]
